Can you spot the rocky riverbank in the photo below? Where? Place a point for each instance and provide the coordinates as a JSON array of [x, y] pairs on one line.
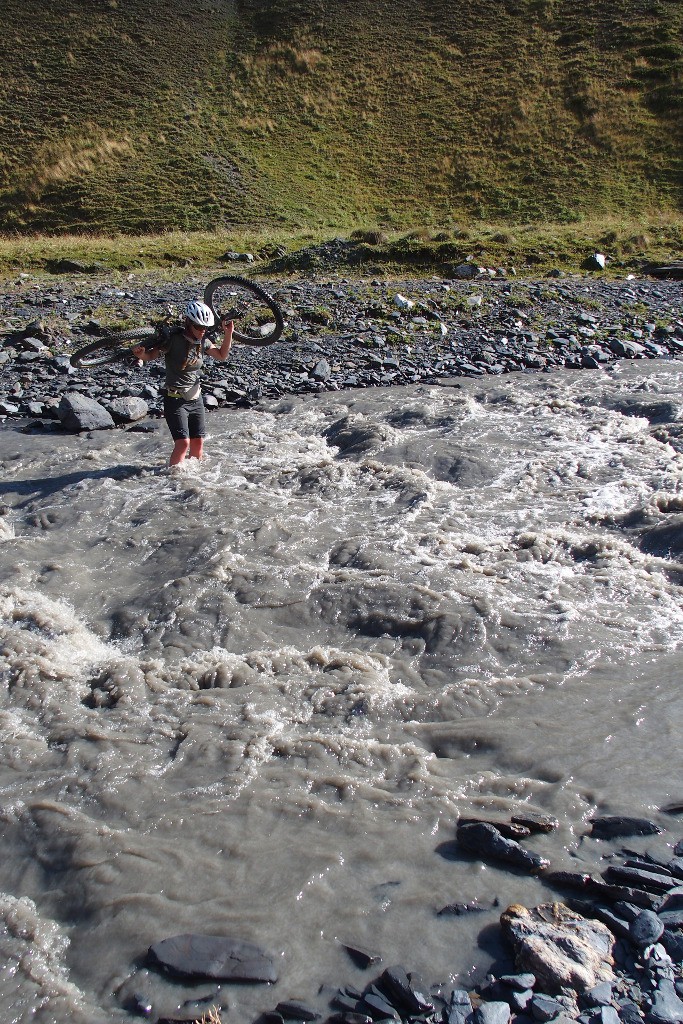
[[340, 333], [610, 953]]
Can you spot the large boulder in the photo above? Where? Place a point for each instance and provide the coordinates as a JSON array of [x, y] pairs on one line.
[[563, 949], [78, 413], [127, 409]]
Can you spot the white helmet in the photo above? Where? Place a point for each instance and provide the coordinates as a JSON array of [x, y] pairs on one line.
[[199, 313]]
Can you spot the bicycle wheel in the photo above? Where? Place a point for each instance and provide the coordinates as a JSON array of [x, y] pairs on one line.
[[109, 348], [258, 318]]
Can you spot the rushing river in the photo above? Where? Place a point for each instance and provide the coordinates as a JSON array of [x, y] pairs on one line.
[[252, 696]]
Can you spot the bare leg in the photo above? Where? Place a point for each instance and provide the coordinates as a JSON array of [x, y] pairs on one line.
[[196, 447], [179, 452]]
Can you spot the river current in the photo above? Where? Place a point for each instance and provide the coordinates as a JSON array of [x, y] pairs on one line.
[[252, 696]]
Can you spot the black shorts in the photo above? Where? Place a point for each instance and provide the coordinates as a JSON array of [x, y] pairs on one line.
[[185, 419]]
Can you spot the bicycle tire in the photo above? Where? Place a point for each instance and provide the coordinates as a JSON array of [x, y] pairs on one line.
[[107, 349], [258, 319]]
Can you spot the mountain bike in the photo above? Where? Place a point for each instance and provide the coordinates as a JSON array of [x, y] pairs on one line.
[[257, 317]]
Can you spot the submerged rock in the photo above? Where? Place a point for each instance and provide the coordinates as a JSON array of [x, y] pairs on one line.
[[214, 956], [486, 840], [614, 826], [563, 949]]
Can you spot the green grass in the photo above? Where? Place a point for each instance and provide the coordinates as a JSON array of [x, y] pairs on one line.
[[532, 249], [143, 116]]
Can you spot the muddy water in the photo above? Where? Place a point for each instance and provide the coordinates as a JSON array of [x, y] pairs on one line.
[[251, 697]]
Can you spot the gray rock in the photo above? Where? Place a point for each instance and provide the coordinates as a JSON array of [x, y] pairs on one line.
[[666, 1008], [606, 1015], [520, 982], [671, 910], [536, 822], [492, 1013], [612, 826], [487, 841], [599, 995], [361, 956], [646, 928], [405, 991], [639, 879], [465, 271], [561, 948], [127, 410], [545, 1008], [292, 1009], [77, 413], [458, 1009], [629, 1013], [626, 349], [322, 370], [214, 956], [520, 1001], [378, 1005], [673, 944]]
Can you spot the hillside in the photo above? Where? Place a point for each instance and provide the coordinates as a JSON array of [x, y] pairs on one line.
[[147, 115]]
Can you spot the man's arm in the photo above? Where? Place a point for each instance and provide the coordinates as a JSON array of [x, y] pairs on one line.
[[223, 352]]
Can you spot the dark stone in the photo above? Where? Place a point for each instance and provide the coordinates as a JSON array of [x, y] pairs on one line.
[[506, 828], [673, 944], [629, 1013], [599, 995], [405, 991], [214, 956], [65, 266], [613, 826], [143, 428], [666, 1007], [614, 922], [460, 909], [377, 1005], [655, 412], [544, 1008], [520, 982], [606, 1015], [536, 822], [487, 841], [639, 879], [671, 910], [492, 1013], [520, 1001], [568, 879], [665, 540], [616, 893], [291, 1009], [361, 957], [646, 929], [458, 1009], [322, 370]]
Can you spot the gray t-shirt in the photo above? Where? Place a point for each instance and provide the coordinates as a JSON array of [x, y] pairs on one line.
[[183, 362]]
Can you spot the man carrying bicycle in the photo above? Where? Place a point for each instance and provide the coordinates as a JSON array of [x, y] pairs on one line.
[[184, 348]]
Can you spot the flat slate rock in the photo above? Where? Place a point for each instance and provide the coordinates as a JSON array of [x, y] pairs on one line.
[[487, 841], [213, 956], [613, 826]]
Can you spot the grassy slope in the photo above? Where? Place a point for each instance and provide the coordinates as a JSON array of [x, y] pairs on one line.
[[144, 115]]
